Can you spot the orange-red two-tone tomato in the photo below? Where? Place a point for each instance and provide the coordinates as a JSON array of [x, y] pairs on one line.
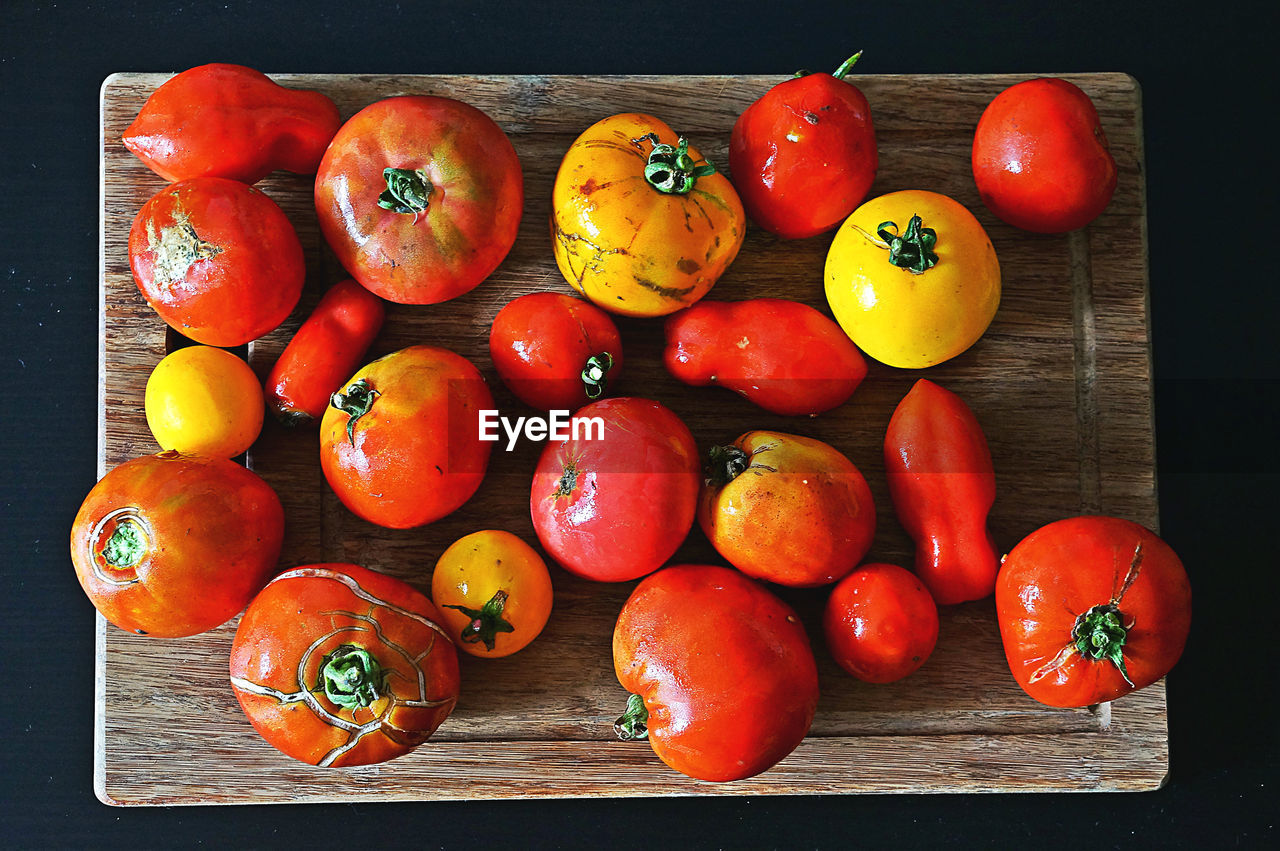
[[420, 197], [336, 665]]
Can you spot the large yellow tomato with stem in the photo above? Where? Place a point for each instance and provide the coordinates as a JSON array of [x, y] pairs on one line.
[[912, 278], [641, 224]]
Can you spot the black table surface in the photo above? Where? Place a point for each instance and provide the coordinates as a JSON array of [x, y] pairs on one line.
[[1208, 97]]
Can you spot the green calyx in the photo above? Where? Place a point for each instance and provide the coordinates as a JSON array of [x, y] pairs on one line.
[[356, 402], [912, 250], [726, 463], [670, 169], [845, 67], [486, 622], [595, 375], [351, 677], [1100, 634], [634, 722], [126, 546], [408, 191]]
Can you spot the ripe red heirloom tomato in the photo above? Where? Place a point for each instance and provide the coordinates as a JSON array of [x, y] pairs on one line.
[[880, 623], [336, 665], [400, 446], [722, 678], [554, 351], [174, 545], [804, 155], [420, 198], [1040, 158], [782, 355], [1090, 609], [617, 500], [217, 259]]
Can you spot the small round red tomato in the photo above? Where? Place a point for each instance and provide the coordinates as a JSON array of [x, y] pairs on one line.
[[1090, 609], [174, 545], [554, 351], [804, 155], [493, 591], [217, 259], [420, 198], [336, 665], [880, 623], [722, 679], [616, 500], [1040, 158], [400, 445]]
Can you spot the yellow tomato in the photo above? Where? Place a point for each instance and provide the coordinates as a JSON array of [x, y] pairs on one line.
[[934, 305], [642, 227], [204, 401], [493, 591]]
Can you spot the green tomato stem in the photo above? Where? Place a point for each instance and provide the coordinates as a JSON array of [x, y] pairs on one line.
[[671, 170], [633, 724], [351, 677], [486, 622], [356, 402], [595, 375]]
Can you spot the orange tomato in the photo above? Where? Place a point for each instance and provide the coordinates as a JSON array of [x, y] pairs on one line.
[[493, 591], [204, 401]]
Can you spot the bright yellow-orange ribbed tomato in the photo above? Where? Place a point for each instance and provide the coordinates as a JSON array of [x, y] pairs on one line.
[[640, 223], [204, 401], [493, 591], [912, 278]]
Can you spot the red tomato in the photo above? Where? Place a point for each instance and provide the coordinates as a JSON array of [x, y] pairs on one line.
[[616, 502], [336, 665], [400, 446], [1090, 609], [880, 623], [1040, 158], [722, 677], [804, 155], [217, 259], [554, 351], [420, 198], [174, 545], [782, 355]]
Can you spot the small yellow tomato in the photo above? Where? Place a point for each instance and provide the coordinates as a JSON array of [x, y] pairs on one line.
[[912, 278], [204, 401], [493, 591]]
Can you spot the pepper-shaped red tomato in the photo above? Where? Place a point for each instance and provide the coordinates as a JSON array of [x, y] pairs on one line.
[[722, 678], [943, 484], [400, 446], [420, 198], [325, 351], [1090, 609], [230, 121], [218, 260], [336, 665], [804, 155], [174, 545], [615, 500], [1040, 158], [782, 355], [554, 351], [880, 623]]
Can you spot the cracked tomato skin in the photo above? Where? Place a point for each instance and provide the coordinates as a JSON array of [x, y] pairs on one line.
[[474, 197], [415, 455], [321, 623], [207, 531], [724, 668], [1060, 572], [217, 260], [615, 508], [622, 243]]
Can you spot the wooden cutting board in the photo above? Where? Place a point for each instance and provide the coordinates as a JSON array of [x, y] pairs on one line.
[[1061, 384]]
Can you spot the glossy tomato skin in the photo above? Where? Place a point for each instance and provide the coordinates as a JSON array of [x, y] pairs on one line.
[[782, 355], [804, 155], [723, 666], [799, 513], [617, 506], [880, 623], [223, 120], [472, 206], [207, 531], [315, 621], [217, 260], [541, 344], [415, 455], [1041, 159], [1059, 573]]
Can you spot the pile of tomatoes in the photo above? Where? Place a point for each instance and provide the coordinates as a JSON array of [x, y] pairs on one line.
[[420, 199]]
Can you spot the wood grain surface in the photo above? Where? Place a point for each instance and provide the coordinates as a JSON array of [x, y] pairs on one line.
[[1061, 384]]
